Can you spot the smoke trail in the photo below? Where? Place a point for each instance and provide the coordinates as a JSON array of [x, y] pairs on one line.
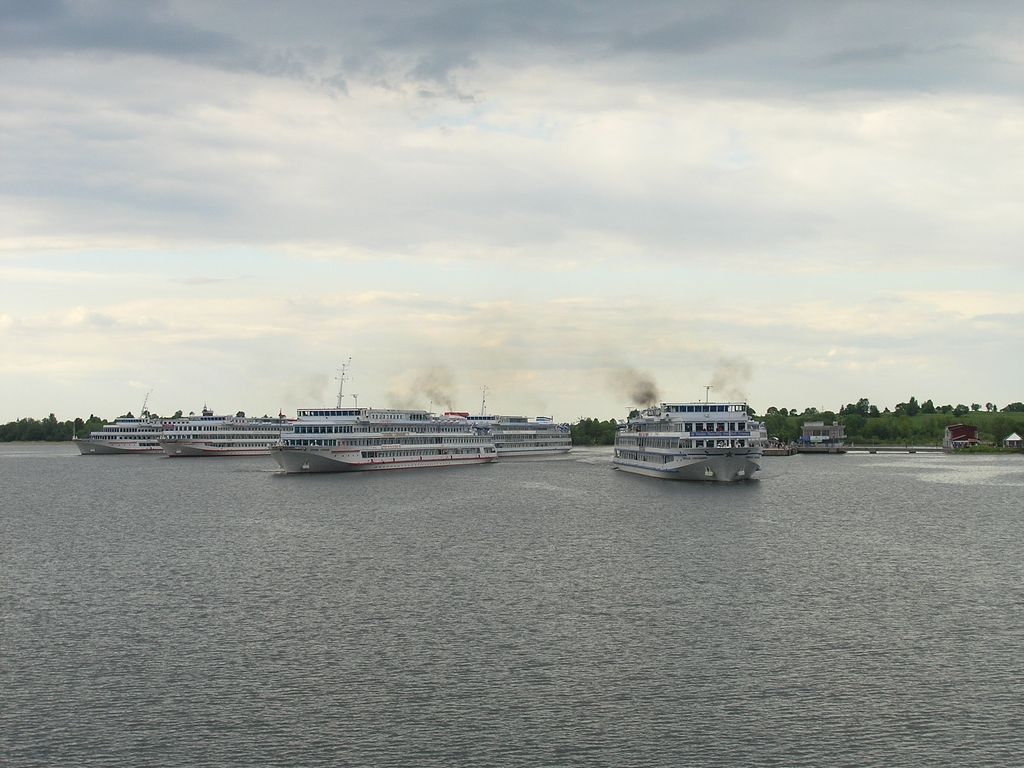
[[430, 387], [306, 389], [731, 376], [436, 385], [638, 387]]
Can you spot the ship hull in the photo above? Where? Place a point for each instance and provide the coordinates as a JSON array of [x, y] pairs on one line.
[[89, 447], [511, 453], [300, 461], [720, 469], [196, 450]]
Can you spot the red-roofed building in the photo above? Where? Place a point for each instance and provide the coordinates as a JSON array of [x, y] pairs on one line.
[[960, 436]]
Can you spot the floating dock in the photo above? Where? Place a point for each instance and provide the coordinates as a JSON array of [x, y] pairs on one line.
[[894, 448]]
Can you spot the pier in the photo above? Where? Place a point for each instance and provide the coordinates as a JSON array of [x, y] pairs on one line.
[[791, 450], [894, 449]]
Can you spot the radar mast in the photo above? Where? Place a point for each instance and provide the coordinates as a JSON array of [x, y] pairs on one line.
[[343, 376]]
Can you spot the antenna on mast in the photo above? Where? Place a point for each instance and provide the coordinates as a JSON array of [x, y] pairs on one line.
[[483, 400], [342, 377]]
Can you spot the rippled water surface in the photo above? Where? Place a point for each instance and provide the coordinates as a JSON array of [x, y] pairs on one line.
[[842, 610]]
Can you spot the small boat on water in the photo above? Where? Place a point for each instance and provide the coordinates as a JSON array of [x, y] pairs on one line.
[[719, 442]]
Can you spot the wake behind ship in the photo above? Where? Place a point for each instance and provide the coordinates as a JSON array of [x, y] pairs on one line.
[[362, 439], [691, 441]]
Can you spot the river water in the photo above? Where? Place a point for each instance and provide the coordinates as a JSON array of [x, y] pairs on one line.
[[842, 610]]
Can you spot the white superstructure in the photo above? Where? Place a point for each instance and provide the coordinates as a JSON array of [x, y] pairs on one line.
[[691, 441], [521, 436], [212, 435], [125, 435], [359, 439]]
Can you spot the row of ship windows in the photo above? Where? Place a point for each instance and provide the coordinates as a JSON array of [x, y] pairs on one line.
[[411, 454], [219, 428], [221, 440], [650, 458], [668, 444], [705, 408], [468, 440], [334, 412], [698, 426], [536, 444], [716, 426], [337, 429], [238, 436], [242, 445]]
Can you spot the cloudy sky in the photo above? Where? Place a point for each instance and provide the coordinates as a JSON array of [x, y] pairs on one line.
[[801, 203]]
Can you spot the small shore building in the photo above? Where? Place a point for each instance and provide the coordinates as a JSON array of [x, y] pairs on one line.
[[1013, 441], [820, 433], [819, 437], [960, 436]]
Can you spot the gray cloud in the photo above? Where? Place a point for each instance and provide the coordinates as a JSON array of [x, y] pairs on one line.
[[792, 46], [704, 30], [142, 27]]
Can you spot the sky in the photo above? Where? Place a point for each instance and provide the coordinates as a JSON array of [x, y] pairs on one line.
[[796, 203]]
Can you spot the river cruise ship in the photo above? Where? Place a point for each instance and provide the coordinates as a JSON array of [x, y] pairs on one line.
[[691, 441], [125, 435], [360, 439], [211, 435], [521, 436]]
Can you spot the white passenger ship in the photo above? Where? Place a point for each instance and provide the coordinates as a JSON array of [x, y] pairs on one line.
[[125, 435], [691, 441], [211, 435], [359, 439], [521, 436]]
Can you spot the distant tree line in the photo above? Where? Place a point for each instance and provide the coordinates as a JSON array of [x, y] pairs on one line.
[[907, 423], [49, 428]]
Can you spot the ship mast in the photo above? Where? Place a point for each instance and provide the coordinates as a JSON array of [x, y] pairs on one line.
[[145, 400], [483, 400], [343, 375]]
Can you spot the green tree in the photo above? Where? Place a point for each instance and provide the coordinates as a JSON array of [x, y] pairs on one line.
[[854, 424], [593, 432]]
